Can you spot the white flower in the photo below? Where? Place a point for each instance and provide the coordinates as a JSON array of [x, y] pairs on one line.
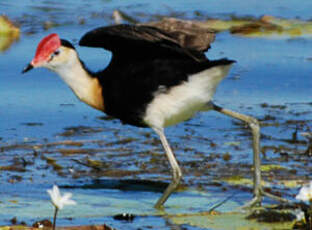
[[305, 193], [299, 215], [58, 200]]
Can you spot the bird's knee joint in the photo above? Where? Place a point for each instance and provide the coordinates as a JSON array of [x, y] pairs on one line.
[[177, 175], [254, 124]]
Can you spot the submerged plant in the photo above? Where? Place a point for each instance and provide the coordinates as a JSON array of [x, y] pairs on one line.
[[59, 201]]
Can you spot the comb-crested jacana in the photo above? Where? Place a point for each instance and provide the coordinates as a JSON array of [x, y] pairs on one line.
[[151, 81]]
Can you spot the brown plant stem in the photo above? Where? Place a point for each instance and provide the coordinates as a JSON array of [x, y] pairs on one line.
[[54, 219]]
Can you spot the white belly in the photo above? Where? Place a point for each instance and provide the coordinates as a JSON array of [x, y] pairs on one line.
[[181, 102]]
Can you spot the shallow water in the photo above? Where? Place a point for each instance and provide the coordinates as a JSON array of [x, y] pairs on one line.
[[272, 77]]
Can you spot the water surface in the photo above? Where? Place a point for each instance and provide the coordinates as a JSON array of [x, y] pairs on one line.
[[271, 81]]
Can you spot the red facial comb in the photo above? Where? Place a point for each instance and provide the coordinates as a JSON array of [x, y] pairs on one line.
[[45, 47]]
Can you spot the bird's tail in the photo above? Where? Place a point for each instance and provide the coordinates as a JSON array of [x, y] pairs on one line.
[[209, 79]]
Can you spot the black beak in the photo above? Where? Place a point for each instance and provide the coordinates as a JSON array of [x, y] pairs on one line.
[[27, 68]]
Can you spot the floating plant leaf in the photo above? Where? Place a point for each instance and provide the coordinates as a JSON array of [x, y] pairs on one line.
[[9, 33]]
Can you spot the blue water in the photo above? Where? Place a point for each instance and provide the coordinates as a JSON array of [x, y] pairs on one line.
[[272, 71]]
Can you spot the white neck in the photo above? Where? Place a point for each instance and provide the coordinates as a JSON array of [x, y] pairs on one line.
[[85, 87], [76, 77]]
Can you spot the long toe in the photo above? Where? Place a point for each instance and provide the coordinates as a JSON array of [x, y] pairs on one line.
[[255, 201], [274, 197]]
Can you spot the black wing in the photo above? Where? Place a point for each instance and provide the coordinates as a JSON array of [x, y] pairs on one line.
[[190, 34], [139, 41]]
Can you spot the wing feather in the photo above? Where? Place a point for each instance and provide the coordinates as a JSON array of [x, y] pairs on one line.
[[139, 41]]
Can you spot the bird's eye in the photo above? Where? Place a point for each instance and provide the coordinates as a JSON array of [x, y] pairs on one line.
[[56, 52]]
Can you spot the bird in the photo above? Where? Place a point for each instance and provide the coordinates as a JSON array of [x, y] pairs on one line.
[[152, 81]]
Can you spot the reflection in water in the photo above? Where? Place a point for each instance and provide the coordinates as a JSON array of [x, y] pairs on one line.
[[7, 41]]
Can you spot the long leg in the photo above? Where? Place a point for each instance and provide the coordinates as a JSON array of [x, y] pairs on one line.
[[176, 171], [255, 129]]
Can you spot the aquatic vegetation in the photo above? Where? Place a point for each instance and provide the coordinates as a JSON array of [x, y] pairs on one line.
[[91, 152], [227, 221], [266, 27], [269, 26], [9, 33], [271, 167], [7, 27], [237, 180], [59, 201]]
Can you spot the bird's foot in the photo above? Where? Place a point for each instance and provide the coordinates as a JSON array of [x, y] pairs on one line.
[[257, 199]]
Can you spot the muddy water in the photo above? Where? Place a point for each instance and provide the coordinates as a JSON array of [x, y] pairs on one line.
[[47, 136]]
